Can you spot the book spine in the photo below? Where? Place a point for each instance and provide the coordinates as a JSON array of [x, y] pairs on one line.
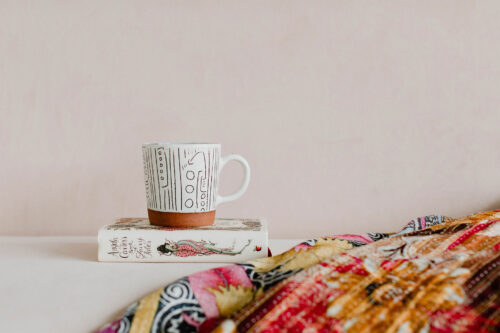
[[181, 246]]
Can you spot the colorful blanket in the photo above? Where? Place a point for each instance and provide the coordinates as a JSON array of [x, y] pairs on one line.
[[436, 275]]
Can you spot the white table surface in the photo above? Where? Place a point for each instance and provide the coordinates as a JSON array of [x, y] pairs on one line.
[[55, 284]]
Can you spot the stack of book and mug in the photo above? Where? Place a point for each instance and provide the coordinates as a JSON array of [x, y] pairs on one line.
[[182, 194]]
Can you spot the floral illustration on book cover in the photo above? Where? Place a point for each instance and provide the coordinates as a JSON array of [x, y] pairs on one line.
[[189, 248], [140, 248]]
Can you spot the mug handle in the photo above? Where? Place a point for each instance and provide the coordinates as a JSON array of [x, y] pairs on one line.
[[238, 158]]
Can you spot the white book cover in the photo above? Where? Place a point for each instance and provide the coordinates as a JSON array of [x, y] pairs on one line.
[[227, 240]]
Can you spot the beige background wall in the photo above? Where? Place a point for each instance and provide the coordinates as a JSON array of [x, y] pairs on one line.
[[355, 116]]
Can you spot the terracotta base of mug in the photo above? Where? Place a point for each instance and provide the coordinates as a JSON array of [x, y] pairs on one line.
[[181, 220]]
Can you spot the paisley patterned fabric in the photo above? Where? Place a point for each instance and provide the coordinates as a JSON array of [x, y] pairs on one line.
[[435, 275]]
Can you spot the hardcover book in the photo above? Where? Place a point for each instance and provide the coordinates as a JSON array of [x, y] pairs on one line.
[[227, 240]]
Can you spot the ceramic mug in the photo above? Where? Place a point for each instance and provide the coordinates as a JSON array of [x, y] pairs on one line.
[[182, 182]]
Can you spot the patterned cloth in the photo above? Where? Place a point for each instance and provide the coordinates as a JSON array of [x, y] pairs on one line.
[[436, 275]]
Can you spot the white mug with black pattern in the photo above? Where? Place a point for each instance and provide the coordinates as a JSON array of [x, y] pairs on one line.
[[182, 182]]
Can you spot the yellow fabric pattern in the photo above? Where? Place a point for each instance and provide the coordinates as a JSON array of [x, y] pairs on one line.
[[145, 314]]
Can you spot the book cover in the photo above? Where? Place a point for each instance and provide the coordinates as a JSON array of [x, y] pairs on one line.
[[227, 240]]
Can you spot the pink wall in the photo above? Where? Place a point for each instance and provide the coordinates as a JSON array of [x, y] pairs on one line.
[[354, 116]]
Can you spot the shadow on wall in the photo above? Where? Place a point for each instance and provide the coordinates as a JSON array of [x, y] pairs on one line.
[[493, 206]]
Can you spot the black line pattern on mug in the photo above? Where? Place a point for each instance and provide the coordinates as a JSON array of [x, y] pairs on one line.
[[170, 193], [157, 177], [152, 183], [180, 175], [216, 179], [172, 178], [175, 179], [164, 178], [146, 178], [181, 178], [209, 178]]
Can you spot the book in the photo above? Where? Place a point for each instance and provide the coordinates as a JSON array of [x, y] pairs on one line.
[[227, 240]]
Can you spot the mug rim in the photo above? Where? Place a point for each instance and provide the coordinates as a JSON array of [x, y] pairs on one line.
[[148, 144]]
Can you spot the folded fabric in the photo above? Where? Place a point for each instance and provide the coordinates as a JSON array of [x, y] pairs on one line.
[[437, 274]]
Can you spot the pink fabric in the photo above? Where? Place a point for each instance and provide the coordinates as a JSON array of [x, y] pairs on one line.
[[215, 278]]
